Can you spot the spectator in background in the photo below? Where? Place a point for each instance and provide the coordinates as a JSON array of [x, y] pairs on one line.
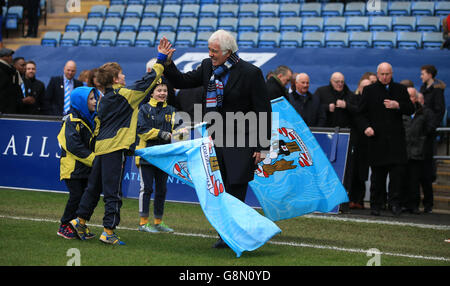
[[34, 89], [334, 98], [370, 76], [307, 104], [57, 95], [358, 169], [19, 63], [380, 118], [32, 8], [10, 81], [446, 32], [276, 84], [433, 94], [28, 102], [84, 77], [417, 128]]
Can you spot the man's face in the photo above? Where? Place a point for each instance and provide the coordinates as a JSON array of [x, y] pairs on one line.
[[337, 81], [30, 71], [70, 69], [20, 66], [216, 54], [425, 76], [302, 84], [384, 75], [285, 78]]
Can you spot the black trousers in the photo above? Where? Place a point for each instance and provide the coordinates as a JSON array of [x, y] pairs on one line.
[[411, 186], [237, 190], [379, 177], [106, 176], [150, 174], [76, 189], [429, 171]]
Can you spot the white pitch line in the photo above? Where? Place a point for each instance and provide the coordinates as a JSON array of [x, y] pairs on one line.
[[294, 244]]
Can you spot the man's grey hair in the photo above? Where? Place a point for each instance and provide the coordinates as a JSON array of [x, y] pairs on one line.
[[226, 41]]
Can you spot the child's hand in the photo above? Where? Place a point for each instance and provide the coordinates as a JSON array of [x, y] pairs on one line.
[[165, 47]]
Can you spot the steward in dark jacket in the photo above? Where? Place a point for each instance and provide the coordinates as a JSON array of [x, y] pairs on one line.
[[309, 108], [10, 80], [340, 117]]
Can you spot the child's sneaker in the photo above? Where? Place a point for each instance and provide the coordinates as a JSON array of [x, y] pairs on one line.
[[162, 227], [111, 239], [66, 232], [79, 229], [147, 228]]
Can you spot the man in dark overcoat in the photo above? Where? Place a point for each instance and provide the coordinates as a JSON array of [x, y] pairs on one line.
[[230, 86], [380, 118]]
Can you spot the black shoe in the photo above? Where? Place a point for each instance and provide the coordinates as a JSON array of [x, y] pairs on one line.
[[220, 244], [428, 210], [396, 210], [415, 211], [375, 212]]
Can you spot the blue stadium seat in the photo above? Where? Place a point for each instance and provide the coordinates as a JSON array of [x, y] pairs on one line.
[[116, 11], [93, 24], [88, 38], [145, 39], [70, 39], [382, 10], [336, 40], [153, 10], [51, 39], [228, 24], [209, 10], [171, 36], [355, 9], [269, 10], [130, 25], [333, 10], [289, 10], [291, 39], [311, 10], [432, 40], [336, 24], [168, 24], [229, 10], [409, 40], [134, 11], [313, 40], [269, 24], [384, 40], [112, 24], [136, 2], [97, 11], [312, 24], [442, 8], [172, 10], [357, 23], [190, 10], [422, 8], [248, 24], [118, 2], [208, 24], [404, 23], [185, 39], [248, 10], [126, 39], [107, 39], [360, 40], [401, 8], [380, 23], [248, 39], [202, 39], [75, 24], [428, 24], [149, 24], [269, 40], [291, 24], [188, 24]]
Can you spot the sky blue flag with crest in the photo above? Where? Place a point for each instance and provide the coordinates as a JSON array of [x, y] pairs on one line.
[[296, 177], [195, 163]]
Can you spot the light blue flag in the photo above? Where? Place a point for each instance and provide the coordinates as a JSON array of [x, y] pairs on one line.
[[195, 163], [296, 178]]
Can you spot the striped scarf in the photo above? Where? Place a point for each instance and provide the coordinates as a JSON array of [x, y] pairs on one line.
[[214, 93]]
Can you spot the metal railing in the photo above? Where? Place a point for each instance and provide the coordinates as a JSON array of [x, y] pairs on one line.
[[445, 131]]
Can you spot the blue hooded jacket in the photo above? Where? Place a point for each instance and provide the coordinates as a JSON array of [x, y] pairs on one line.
[[79, 102]]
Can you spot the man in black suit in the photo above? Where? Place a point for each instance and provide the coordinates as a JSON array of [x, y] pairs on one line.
[[276, 84], [380, 118], [230, 85], [56, 89]]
